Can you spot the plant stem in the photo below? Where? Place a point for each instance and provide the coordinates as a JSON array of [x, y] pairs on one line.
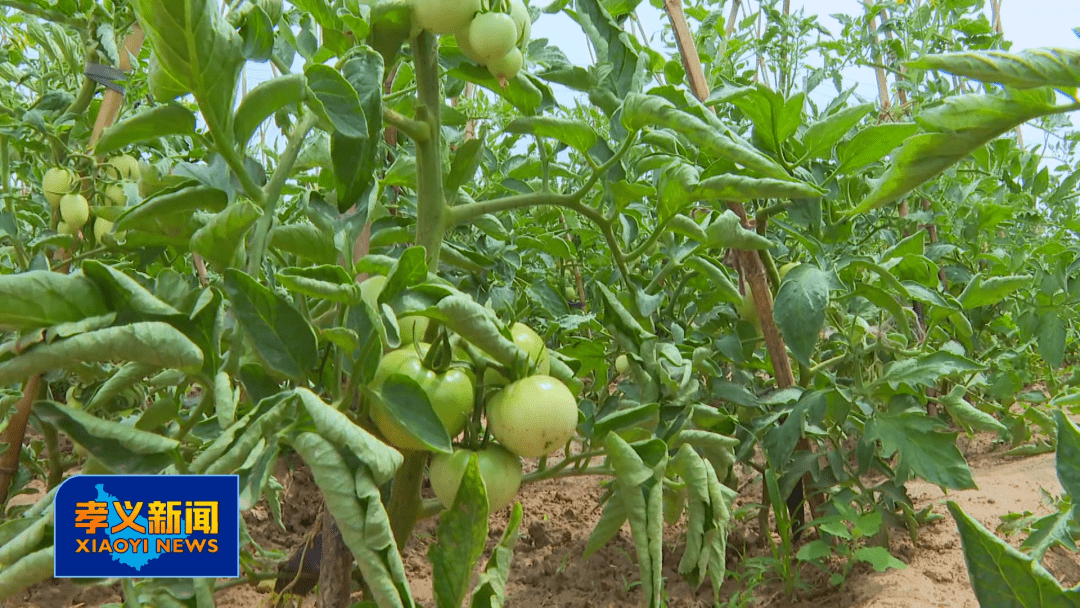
[[417, 130], [430, 202]]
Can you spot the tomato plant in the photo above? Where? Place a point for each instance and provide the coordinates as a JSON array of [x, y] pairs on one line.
[[499, 469], [533, 416]]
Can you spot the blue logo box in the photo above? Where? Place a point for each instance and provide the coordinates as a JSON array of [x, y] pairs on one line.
[[147, 526]]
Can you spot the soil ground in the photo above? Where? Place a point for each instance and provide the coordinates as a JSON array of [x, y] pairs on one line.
[[548, 569]]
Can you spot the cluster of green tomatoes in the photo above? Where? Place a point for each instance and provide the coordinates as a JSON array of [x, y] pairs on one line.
[[528, 418], [494, 38], [62, 189]]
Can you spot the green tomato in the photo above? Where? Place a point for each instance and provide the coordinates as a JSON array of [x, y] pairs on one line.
[[444, 16], [529, 341], [500, 471], [570, 293], [55, 184], [522, 19], [450, 394], [748, 310], [507, 68], [534, 416], [462, 37], [492, 35], [114, 194], [102, 227], [412, 328], [124, 166], [63, 228], [75, 210], [622, 364], [786, 268]]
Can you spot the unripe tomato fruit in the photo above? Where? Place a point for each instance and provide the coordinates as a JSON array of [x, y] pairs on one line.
[[114, 193], [444, 16], [622, 364], [748, 310], [56, 183], [529, 341], [124, 166], [102, 226], [507, 67], [534, 416], [462, 37], [450, 394], [492, 35], [499, 469], [522, 19], [570, 293], [75, 210], [412, 328], [64, 228], [786, 268]]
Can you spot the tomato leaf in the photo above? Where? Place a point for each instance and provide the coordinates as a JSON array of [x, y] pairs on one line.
[[336, 99], [329, 282], [40, 298], [168, 119], [708, 518], [822, 135], [1029, 68], [223, 236], [461, 536], [355, 157], [574, 133], [799, 309], [263, 100], [491, 584], [639, 471], [991, 290], [1002, 576], [121, 448], [924, 448], [305, 240], [234, 445], [354, 502], [1068, 454], [281, 335], [408, 405]]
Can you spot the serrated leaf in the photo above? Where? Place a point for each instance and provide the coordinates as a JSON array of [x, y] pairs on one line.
[[879, 558], [924, 449]]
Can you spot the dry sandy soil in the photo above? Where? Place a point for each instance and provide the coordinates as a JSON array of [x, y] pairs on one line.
[[548, 568]]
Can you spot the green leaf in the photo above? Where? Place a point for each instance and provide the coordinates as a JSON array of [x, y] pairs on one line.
[[1050, 337], [281, 335], [264, 100], [152, 343], [708, 519], [224, 234], [198, 50], [336, 99], [676, 189], [1026, 69], [305, 240], [225, 399], [1068, 454], [926, 370], [611, 521], [640, 111], [1056, 529], [149, 125], [329, 282], [461, 537], [614, 48], [380, 459], [872, 144], [718, 279], [408, 405], [356, 158], [1003, 577], [525, 92], [924, 449], [879, 558], [984, 292], [30, 570], [822, 135], [799, 309], [121, 448], [353, 500], [967, 415], [641, 488], [816, 549], [125, 293], [126, 375], [574, 133], [170, 211], [490, 591], [228, 452], [257, 32], [731, 187], [467, 160], [727, 232], [40, 298]]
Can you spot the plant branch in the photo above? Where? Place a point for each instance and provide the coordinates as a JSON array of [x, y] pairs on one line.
[[417, 131]]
